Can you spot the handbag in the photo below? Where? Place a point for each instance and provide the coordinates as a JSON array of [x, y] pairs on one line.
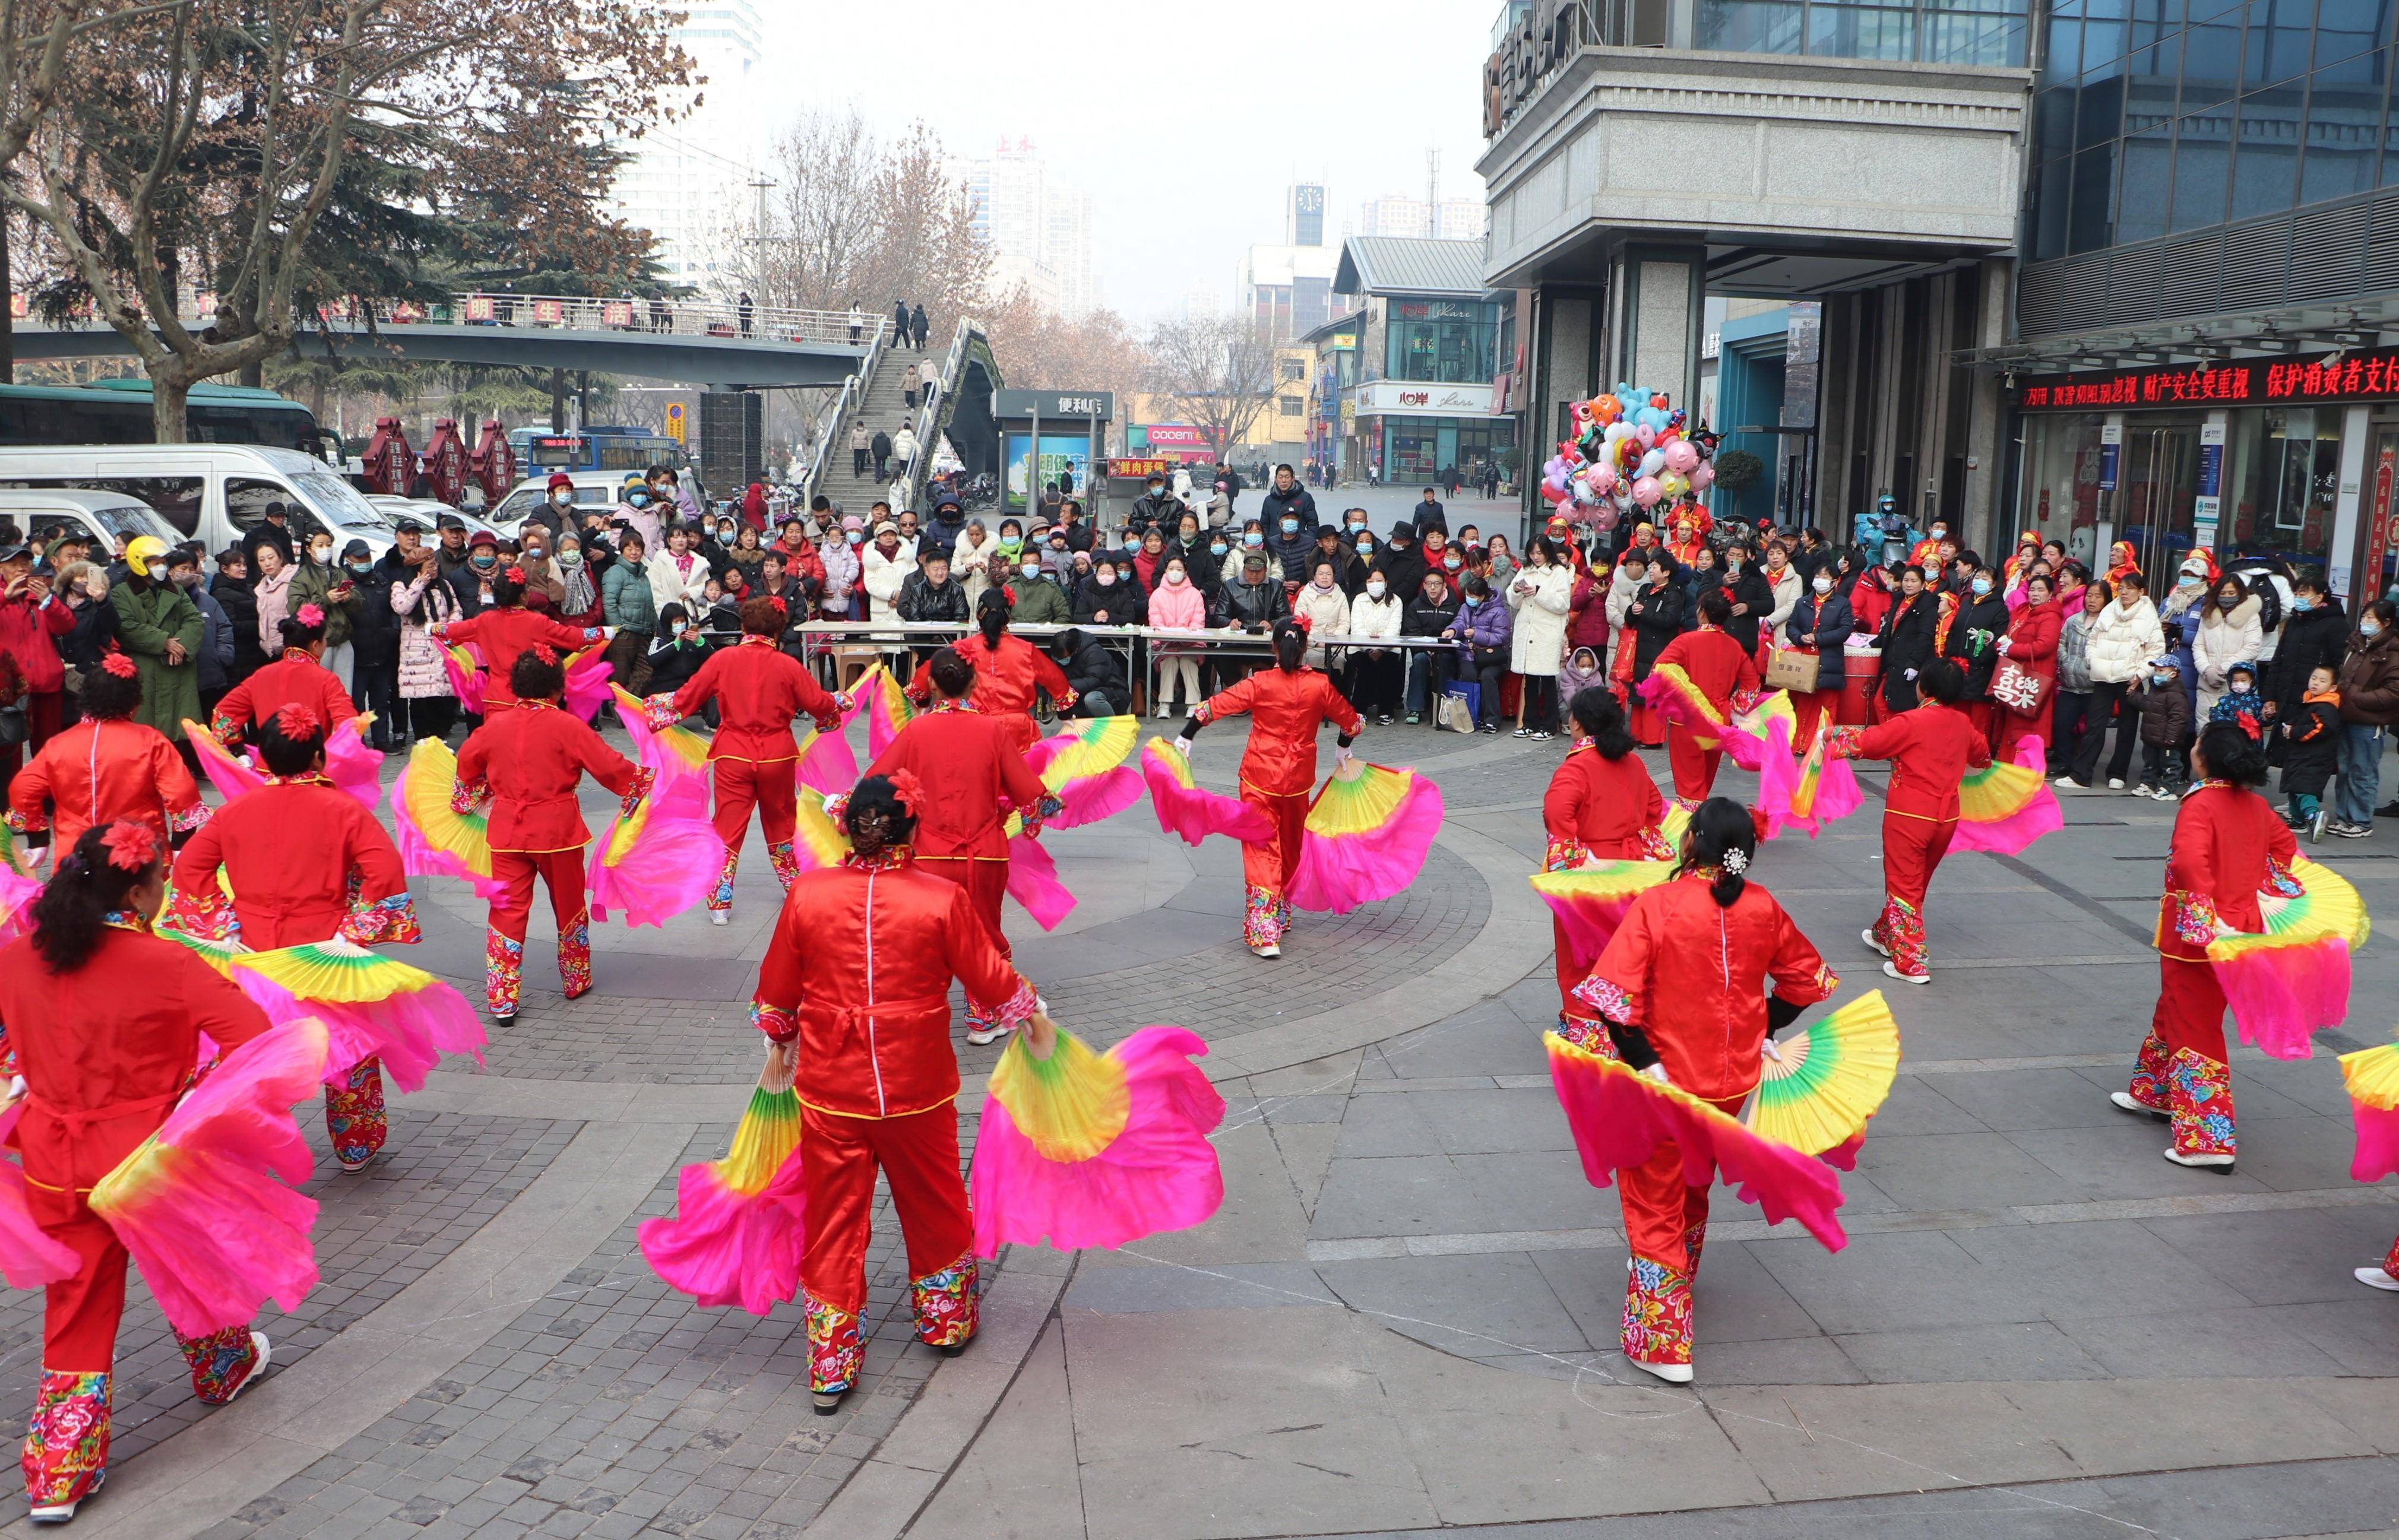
[[2019, 689], [1789, 669], [1455, 711]]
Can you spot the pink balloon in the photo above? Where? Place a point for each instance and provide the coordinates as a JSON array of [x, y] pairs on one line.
[[1645, 492], [1681, 456], [1648, 435], [1603, 476], [1703, 476]]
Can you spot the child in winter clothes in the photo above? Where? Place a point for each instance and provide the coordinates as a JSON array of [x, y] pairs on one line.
[[2312, 751], [2165, 720], [2239, 697]]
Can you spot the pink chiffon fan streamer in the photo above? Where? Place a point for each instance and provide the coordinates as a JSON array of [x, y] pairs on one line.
[[28, 1258], [1032, 882], [1095, 797], [2282, 995], [2014, 834], [420, 858], [1337, 873], [351, 765], [2378, 1143], [17, 895], [408, 1033], [466, 676], [1160, 1173], [725, 1247], [1619, 1120], [1192, 813], [587, 684], [671, 864], [827, 766], [199, 1204]]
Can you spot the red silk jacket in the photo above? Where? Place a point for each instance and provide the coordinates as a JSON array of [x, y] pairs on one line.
[[964, 762], [295, 679], [858, 971], [1604, 808], [1714, 662], [1694, 977], [1930, 748], [98, 772], [758, 691], [1285, 709], [289, 849], [528, 763], [1006, 678], [2229, 845], [504, 635]]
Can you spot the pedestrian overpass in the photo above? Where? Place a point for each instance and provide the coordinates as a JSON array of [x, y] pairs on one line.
[[704, 342]]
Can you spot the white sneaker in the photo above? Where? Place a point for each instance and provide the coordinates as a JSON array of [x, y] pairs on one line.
[[1269, 949], [983, 1037], [2220, 1164], [1163, 713], [60, 1513], [257, 1366], [1673, 1373], [2145, 789], [2126, 1101], [2375, 1277], [2066, 779], [1867, 935], [720, 916], [2115, 783], [1893, 968]]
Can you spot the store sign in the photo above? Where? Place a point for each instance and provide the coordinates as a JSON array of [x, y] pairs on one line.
[[1013, 404], [1402, 397], [1136, 470], [2382, 527], [1436, 310], [1175, 436], [2254, 382]]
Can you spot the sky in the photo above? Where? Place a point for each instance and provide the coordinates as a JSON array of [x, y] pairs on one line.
[[1184, 123]]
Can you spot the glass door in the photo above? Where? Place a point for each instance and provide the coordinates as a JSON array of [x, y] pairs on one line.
[[2159, 493]]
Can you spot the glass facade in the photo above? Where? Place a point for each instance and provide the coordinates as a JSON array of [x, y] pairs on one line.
[[1441, 341], [2153, 117], [1933, 31], [1414, 451]]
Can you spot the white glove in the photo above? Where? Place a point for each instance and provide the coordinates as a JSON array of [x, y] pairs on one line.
[[1341, 755], [607, 633], [1656, 1072], [1910, 675], [2003, 645]]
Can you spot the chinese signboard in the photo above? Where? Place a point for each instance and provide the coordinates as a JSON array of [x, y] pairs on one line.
[[1431, 400], [1013, 404], [2329, 378]]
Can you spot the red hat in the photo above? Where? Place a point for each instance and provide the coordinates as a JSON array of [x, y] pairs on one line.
[[560, 479], [482, 537]]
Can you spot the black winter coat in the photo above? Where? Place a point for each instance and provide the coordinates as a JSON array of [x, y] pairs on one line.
[[1751, 589], [1249, 607], [1905, 641], [1659, 621], [2314, 636], [1824, 625], [1119, 603], [1974, 639], [240, 603], [374, 630], [921, 600]]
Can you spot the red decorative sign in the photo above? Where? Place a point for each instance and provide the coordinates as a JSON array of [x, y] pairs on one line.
[[2330, 378]]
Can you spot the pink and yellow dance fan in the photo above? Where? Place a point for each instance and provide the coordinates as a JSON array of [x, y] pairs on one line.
[[1761, 730], [669, 752], [1590, 901], [1084, 768], [230, 773], [827, 764], [370, 1007], [199, 1204], [1619, 1117], [587, 683], [1822, 1084], [1096, 1150], [2002, 808], [464, 663], [1368, 831], [658, 860], [816, 841], [2371, 1078], [740, 1223], [1808, 793], [887, 709], [14, 856], [435, 840], [2291, 981], [351, 763], [217, 952], [28, 1258], [17, 895], [1187, 811], [1032, 882], [1670, 692]]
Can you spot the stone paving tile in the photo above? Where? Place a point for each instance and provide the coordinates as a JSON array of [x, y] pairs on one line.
[[440, 1179], [616, 1407]]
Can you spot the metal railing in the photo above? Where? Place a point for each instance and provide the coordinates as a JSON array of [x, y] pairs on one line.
[[1532, 43], [929, 411], [627, 313], [832, 428]]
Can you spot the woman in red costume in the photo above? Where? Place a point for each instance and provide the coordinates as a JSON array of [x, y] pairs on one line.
[[1008, 669], [2031, 644], [1286, 704], [505, 631], [103, 1064], [2229, 845], [855, 988], [758, 690], [1930, 748], [965, 763], [526, 763], [1702, 971], [1721, 670], [105, 768], [1601, 806], [306, 863], [298, 678]]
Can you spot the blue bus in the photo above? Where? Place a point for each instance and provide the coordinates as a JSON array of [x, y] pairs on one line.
[[117, 411], [540, 451]]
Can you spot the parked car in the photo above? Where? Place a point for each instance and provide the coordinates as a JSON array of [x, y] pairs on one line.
[[593, 488], [212, 493], [107, 518]]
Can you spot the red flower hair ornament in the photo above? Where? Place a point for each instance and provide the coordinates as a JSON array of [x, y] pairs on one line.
[[296, 722], [131, 847], [515, 576], [119, 665], [311, 615], [908, 788], [545, 652]]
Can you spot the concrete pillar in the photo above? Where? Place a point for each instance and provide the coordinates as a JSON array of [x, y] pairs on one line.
[[1836, 499], [1984, 413], [1564, 367], [1657, 310]]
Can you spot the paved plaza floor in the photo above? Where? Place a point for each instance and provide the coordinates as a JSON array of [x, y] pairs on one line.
[[1404, 1318]]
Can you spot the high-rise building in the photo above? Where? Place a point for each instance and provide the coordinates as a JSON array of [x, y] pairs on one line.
[[1038, 224], [686, 175], [1398, 214], [1289, 287]]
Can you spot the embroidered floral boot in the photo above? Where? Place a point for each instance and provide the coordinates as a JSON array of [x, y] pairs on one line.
[[66, 1444], [834, 1352], [354, 1114], [2202, 1104], [1658, 1320], [2151, 1093], [503, 964], [947, 1306], [720, 897]]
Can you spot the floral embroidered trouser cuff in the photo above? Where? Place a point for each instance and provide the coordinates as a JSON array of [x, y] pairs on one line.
[[946, 1304], [503, 965], [1657, 1312], [834, 1351], [786, 865], [354, 1115], [575, 958], [2390, 1262], [1265, 914], [67, 1440], [220, 1362], [1901, 928], [2202, 1104], [2151, 1085], [721, 895]]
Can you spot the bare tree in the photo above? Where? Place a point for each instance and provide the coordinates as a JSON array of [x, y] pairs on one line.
[[1038, 349], [1216, 372]]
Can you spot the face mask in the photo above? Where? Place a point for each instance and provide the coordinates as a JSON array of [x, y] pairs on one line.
[[1175, 577], [359, 567], [1938, 532], [157, 570], [856, 538], [1133, 542], [639, 499], [1031, 569], [1374, 590], [2301, 606], [188, 580], [1823, 585], [484, 560], [1357, 527], [724, 536], [1291, 526], [561, 499], [1155, 489], [1218, 547], [570, 559], [1251, 537], [1010, 544], [322, 553], [1107, 578], [1467, 603], [2186, 581], [1453, 563], [2368, 626], [1981, 586]]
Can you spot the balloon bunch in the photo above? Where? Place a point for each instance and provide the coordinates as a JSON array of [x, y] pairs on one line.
[[1632, 448]]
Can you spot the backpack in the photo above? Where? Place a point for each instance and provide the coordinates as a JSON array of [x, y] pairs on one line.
[[2269, 601]]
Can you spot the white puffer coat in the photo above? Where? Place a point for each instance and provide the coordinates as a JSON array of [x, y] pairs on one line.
[[2122, 641], [1538, 642]]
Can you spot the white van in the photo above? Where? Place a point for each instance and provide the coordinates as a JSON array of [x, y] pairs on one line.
[[105, 520], [593, 488], [209, 493]]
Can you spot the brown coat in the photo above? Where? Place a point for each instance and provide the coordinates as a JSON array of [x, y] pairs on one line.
[[2369, 680]]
